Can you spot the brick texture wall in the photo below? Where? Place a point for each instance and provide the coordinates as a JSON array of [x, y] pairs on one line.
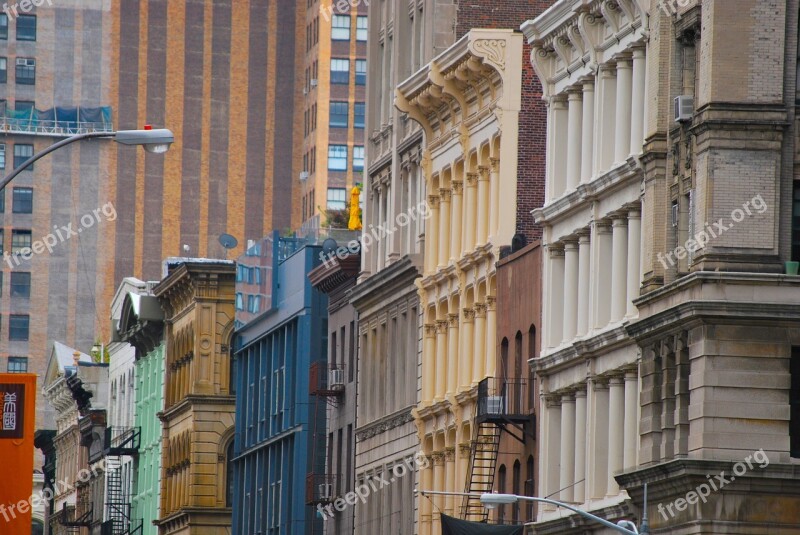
[[533, 116]]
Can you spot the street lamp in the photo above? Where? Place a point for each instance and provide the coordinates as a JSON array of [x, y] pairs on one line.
[[155, 141], [492, 500]]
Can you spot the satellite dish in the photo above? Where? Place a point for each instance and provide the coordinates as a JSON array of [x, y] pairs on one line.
[[228, 241], [329, 246]]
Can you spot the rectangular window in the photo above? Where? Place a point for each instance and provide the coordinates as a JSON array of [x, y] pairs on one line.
[[26, 28], [340, 28], [24, 105], [336, 201], [340, 71], [358, 158], [26, 71], [18, 325], [361, 72], [20, 239], [3, 26], [2, 155], [794, 403], [17, 365], [22, 151], [339, 113], [351, 353], [358, 115], [239, 301], [3, 71], [361, 28], [337, 157], [20, 284], [22, 201]]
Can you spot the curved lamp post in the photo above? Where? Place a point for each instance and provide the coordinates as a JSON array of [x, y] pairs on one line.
[[156, 141]]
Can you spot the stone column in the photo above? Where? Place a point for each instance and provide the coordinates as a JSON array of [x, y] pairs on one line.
[[464, 452], [619, 268], [438, 484], [444, 227], [622, 142], [555, 297], [431, 235], [584, 276], [429, 363], [483, 204], [637, 100], [550, 462], [631, 418], [558, 158], [456, 225], [598, 423], [602, 259], [634, 252], [441, 360], [587, 132], [467, 344], [381, 248], [452, 353], [571, 282], [580, 446], [480, 342], [494, 204], [616, 430], [450, 478], [469, 219], [574, 138], [567, 449], [491, 335], [607, 101], [425, 505]]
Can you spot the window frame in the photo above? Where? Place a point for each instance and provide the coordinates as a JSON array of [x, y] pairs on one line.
[[3, 69], [339, 30], [25, 157], [20, 69], [16, 284], [35, 22], [362, 31], [21, 206], [362, 106], [17, 249], [3, 27], [337, 77], [335, 114], [338, 203], [11, 328], [361, 76], [13, 361], [335, 155], [357, 167]]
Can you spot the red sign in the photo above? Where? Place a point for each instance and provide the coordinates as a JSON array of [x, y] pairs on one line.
[[12, 398]]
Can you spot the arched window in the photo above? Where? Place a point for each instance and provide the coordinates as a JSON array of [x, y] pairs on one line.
[[518, 356], [529, 488], [232, 372], [531, 354], [515, 489], [501, 486], [229, 475], [504, 358]]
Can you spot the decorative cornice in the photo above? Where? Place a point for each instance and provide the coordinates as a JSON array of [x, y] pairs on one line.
[[384, 424]]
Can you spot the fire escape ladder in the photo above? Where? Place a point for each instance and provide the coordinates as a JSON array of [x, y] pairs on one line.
[[482, 464]]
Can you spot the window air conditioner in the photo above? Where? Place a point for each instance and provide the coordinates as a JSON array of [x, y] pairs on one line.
[[325, 491], [304, 175], [26, 62], [335, 379], [684, 108], [495, 405], [313, 82]]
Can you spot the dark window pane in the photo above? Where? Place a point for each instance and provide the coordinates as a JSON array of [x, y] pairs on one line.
[[21, 153], [22, 201], [18, 327], [339, 113], [17, 365], [26, 28], [20, 284]]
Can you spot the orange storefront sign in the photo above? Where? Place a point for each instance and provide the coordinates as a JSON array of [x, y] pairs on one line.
[[18, 401]]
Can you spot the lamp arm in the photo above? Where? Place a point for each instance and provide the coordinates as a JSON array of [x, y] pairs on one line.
[[580, 512], [51, 148]]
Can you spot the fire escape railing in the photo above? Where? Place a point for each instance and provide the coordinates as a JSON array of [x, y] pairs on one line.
[[321, 488]]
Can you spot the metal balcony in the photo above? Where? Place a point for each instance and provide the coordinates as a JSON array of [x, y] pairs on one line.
[[122, 441], [321, 488], [79, 515], [325, 380], [503, 401]]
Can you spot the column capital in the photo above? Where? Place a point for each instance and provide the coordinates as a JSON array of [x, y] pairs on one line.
[[638, 51], [552, 400], [469, 314], [616, 380], [584, 236], [491, 303], [472, 179], [430, 330], [450, 454], [452, 320], [433, 201], [602, 226], [495, 164], [441, 326], [570, 243], [575, 94], [437, 458], [555, 251], [483, 172], [445, 194], [580, 392], [480, 310], [619, 219], [631, 374], [568, 397], [559, 101], [465, 450], [587, 84], [458, 187], [634, 213]]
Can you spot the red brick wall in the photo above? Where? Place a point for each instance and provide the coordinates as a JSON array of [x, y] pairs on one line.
[[533, 117]]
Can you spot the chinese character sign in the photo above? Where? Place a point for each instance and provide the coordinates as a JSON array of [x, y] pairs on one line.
[[13, 398]]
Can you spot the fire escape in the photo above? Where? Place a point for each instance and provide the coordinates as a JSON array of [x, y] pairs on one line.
[[119, 442], [74, 517], [326, 384], [502, 406]]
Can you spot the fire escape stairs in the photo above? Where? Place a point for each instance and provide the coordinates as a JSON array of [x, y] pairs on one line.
[[481, 470]]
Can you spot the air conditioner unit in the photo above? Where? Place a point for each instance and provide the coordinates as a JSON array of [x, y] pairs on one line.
[[304, 175], [26, 62], [675, 218], [335, 379], [313, 82], [684, 108], [495, 405], [325, 491], [305, 91]]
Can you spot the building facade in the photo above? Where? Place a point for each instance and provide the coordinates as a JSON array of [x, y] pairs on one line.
[[333, 110], [333, 383], [197, 297], [592, 64], [275, 459]]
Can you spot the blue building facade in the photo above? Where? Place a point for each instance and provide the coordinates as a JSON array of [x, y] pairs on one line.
[[275, 415]]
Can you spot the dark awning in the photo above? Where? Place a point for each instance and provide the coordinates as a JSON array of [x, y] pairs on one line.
[[454, 526]]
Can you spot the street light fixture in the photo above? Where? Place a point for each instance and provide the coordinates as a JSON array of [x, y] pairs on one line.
[[155, 141]]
